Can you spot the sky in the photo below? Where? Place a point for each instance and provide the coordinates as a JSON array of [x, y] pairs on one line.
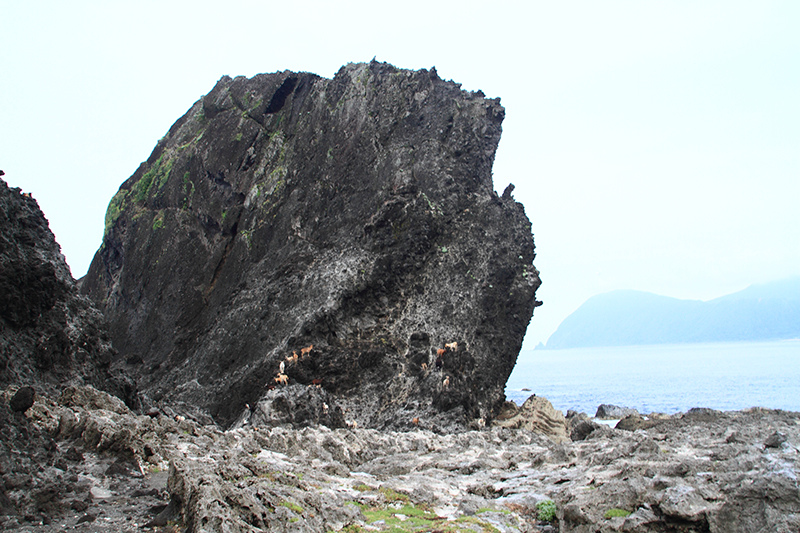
[[655, 145]]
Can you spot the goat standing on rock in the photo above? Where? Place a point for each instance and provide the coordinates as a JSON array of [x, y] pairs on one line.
[[440, 353]]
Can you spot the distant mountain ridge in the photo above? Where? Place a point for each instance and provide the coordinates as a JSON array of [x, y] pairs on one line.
[[625, 317]]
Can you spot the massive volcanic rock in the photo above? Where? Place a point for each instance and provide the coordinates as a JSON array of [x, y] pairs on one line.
[[50, 335], [355, 215]]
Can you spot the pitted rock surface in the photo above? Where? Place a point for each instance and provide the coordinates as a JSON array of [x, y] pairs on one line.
[[352, 217], [88, 460], [49, 333]]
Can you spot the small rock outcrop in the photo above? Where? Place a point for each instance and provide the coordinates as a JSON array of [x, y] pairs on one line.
[[342, 233], [612, 412], [50, 335], [536, 414], [22, 399]]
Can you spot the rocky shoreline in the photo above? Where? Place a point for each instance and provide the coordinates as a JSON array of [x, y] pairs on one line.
[[323, 268], [85, 462]]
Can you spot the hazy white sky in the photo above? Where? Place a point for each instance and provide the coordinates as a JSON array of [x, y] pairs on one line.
[[654, 144]]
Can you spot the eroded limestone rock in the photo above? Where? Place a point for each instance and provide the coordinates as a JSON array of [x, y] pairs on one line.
[[104, 464], [536, 414], [346, 229], [49, 333]]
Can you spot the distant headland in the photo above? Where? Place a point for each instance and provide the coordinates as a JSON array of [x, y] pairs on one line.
[[767, 311]]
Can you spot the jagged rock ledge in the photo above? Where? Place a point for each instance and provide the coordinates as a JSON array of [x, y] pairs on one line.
[[103, 466], [50, 335]]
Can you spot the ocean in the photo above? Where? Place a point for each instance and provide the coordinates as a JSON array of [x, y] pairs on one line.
[[666, 378]]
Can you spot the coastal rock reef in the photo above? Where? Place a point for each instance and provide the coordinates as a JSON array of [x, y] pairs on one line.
[[73, 457], [292, 231], [94, 465]]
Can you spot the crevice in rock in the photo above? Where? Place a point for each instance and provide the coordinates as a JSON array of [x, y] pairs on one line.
[[225, 254], [280, 96]]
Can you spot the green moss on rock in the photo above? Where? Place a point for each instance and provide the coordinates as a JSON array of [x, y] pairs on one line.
[[157, 175], [158, 221], [615, 512], [115, 208]]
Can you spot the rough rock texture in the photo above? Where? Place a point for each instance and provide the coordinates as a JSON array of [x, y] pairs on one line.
[[536, 414], [49, 334], [607, 411], [580, 425], [89, 463], [78, 462], [356, 215]]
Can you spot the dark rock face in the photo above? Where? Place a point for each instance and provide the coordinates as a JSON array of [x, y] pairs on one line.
[[296, 405], [355, 215], [49, 334], [22, 399]]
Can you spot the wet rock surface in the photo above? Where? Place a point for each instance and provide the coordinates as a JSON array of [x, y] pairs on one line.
[[297, 230], [87, 463]]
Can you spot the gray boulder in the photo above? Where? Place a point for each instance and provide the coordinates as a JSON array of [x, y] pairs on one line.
[[536, 414], [22, 399], [612, 412], [351, 221]]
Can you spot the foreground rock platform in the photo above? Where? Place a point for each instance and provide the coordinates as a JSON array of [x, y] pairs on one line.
[[104, 468], [296, 230]]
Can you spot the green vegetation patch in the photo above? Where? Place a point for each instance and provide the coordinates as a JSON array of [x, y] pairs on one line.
[[399, 515], [485, 526], [392, 495], [405, 518], [115, 208], [410, 518], [157, 175], [615, 512], [292, 507], [158, 221], [546, 510], [490, 510]]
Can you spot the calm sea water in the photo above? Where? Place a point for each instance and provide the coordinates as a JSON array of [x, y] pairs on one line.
[[663, 378]]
